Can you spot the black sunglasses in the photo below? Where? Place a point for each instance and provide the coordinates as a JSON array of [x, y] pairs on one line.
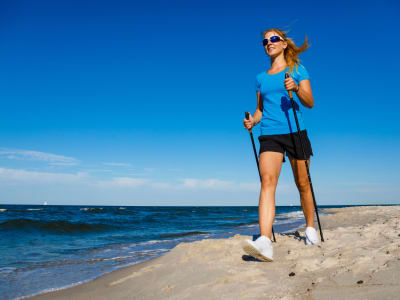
[[273, 39]]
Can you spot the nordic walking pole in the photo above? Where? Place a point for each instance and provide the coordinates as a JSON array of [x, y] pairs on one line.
[[258, 165], [305, 161]]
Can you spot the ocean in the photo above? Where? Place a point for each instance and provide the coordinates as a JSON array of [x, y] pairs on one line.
[[48, 247]]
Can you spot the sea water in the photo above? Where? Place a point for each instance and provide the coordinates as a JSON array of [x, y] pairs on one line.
[[49, 247]]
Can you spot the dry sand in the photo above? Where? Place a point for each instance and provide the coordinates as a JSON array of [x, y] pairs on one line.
[[360, 259]]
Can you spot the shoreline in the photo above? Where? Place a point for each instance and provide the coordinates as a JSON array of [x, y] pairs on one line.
[[296, 224], [177, 272], [66, 262]]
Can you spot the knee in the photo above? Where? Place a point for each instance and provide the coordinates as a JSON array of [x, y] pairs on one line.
[[268, 181], [303, 185]]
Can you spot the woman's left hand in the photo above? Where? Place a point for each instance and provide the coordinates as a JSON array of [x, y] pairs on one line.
[[290, 85]]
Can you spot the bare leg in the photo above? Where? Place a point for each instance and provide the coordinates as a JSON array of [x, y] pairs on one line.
[[270, 168], [303, 185]]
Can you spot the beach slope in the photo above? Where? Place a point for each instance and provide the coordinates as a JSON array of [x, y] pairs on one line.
[[360, 259]]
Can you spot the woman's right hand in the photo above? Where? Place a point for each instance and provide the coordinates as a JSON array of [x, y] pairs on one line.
[[248, 124]]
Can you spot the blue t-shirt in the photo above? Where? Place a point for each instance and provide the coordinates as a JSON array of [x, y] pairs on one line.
[[277, 114]]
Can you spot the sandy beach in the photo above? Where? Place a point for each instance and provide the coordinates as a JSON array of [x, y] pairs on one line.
[[360, 259]]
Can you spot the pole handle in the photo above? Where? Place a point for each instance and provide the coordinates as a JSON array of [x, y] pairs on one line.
[[290, 92], [247, 115]]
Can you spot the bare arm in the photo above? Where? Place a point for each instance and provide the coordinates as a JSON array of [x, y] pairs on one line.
[[305, 94], [258, 113], [255, 119], [303, 91]]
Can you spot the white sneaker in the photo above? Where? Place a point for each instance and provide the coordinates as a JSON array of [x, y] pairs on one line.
[[261, 248], [311, 236]]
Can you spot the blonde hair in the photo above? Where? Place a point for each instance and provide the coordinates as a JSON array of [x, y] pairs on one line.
[[291, 52]]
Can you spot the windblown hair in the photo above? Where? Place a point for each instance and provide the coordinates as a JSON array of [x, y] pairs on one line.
[[292, 51]]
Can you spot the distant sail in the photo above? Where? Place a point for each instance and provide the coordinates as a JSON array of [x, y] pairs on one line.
[[45, 203]]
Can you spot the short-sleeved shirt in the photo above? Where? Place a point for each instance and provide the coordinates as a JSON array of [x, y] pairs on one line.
[[277, 114]]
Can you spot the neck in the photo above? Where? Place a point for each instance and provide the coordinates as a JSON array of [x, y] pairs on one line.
[[278, 62]]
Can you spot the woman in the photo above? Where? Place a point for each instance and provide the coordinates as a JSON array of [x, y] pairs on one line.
[[279, 135]]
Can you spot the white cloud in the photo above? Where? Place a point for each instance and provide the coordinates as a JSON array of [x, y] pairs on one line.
[[25, 176], [116, 164], [123, 182], [183, 184], [162, 185], [250, 186], [193, 183], [19, 175], [53, 159], [218, 184], [64, 163]]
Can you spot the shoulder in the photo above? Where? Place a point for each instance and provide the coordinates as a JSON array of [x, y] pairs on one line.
[[300, 72], [299, 69], [260, 75]]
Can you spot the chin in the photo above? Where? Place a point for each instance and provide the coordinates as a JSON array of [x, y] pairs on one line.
[[272, 54]]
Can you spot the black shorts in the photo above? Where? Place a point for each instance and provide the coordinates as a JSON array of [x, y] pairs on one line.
[[288, 143]]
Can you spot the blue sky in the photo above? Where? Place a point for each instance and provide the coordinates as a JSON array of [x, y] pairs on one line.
[[141, 103]]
